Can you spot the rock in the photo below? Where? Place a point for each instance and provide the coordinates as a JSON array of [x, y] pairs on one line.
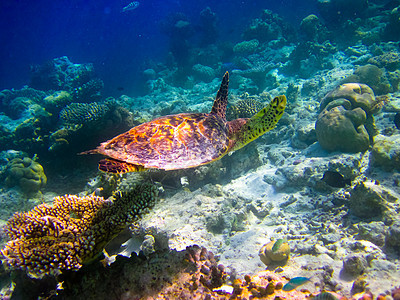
[[386, 152], [373, 232], [369, 200], [148, 244], [354, 265], [393, 236]]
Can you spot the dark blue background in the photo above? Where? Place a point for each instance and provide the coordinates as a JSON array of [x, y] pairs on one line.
[[32, 32]]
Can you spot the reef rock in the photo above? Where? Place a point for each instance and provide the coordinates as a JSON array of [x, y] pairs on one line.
[[386, 152], [393, 236], [370, 200], [355, 265]]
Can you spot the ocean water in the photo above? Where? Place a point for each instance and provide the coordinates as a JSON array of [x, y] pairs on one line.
[[324, 181]]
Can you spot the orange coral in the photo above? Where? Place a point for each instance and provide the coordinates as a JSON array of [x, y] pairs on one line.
[[72, 231]]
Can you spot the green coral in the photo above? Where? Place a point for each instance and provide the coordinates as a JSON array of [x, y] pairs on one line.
[[25, 173], [246, 46], [372, 76], [55, 102], [346, 121], [72, 231], [388, 60]]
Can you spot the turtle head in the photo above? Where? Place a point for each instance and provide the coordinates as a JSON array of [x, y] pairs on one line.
[[256, 126]]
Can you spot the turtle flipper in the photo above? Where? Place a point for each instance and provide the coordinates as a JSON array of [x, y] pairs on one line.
[[221, 101], [118, 167], [260, 123]]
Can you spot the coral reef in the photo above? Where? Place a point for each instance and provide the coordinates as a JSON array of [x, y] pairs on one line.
[[25, 173], [60, 74], [203, 73], [334, 12], [14, 103], [308, 57], [392, 27], [208, 25], [346, 120], [269, 26], [55, 102], [88, 92], [388, 60], [193, 273], [178, 28], [313, 29], [72, 231]]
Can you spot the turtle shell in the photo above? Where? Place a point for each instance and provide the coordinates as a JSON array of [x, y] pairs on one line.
[[171, 142]]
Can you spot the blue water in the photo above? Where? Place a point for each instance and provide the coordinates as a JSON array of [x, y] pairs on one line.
[[118, 44]]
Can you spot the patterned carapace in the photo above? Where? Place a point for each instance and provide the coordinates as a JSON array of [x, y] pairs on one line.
[[186, 140]]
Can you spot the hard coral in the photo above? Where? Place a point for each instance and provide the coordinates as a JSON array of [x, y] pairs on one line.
[[346, 120], [26, 174], [82, 113], [72, 231], [270, 255]]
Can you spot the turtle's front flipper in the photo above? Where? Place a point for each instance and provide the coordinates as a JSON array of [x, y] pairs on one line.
[[260, 123], [118, 167]]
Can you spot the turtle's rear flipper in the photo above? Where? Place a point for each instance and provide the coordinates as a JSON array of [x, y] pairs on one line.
[[118, 167]]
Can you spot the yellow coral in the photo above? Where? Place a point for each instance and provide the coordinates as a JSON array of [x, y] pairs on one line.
[[72, 231], [268, 254], [26, 174]]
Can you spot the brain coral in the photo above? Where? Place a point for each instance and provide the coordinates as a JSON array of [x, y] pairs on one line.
[[346, 120], [25, 173], [72, 231]]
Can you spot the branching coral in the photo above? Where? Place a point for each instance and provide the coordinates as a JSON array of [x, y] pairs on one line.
[[72, 231], [81, 113]]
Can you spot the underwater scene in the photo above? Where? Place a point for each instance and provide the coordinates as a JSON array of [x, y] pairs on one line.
[[200, 149]]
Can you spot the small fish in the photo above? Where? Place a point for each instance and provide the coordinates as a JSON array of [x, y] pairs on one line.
[[397, 120], [294, 283], [131, 6], [335, 179], [325, 296], [277, 244]]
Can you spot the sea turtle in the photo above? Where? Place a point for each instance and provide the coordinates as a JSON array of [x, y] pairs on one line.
[[186, 140]]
